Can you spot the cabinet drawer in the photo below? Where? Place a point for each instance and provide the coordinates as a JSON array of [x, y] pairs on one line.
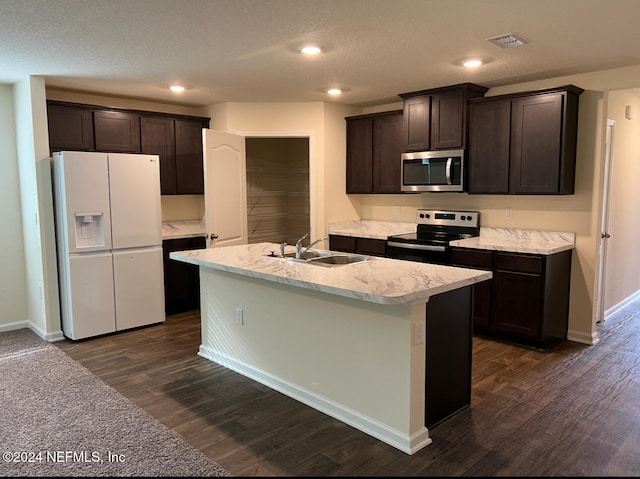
[[473, 258], [518, 262], [342, 243], [371, 246]]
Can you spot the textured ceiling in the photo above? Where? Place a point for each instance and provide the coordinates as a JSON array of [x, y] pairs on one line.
[[246, 50]]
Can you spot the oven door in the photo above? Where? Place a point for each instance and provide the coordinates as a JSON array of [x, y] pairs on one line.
[[424, 253]]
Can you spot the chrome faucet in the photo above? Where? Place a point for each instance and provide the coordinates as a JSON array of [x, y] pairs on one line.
[[282, 247], [315, 242], [299, 245]]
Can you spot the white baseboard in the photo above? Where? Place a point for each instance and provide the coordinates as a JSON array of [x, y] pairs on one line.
[[51, 337], [406, 443], [583, 338], [622, 304], [15, 325]]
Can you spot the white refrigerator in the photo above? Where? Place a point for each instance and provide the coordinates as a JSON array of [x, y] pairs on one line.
[[109, 240]]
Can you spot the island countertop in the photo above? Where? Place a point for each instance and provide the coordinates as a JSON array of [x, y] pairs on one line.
[[378, 280]]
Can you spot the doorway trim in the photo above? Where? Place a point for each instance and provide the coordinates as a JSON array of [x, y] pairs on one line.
[[312, 166], [604, 222]]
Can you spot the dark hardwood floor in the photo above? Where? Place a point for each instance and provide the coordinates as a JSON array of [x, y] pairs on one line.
[[572, 411]]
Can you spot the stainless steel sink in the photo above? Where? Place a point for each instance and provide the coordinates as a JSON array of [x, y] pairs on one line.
[[334, 260], [306, 255], [323, 258]]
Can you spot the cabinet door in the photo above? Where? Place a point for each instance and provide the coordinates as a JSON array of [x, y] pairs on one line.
[[189, 166], [448, 120], [489, 145], [117, 131], [359, 154], [387, 148], [516, 305], [157, 138], [181, 280], [481, 291], [69, 128], [536, 141], [417, 118]]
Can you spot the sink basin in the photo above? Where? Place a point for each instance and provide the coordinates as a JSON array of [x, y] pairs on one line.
[[323, 258], [335, 260], [305, 255]]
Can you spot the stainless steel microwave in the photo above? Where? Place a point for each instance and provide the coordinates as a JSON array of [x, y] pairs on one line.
[[433, 170]]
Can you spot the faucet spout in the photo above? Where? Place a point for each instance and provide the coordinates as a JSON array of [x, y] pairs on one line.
[[316, 242], [299, 245]]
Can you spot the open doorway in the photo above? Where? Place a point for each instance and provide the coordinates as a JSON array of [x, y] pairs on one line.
[[278, 196], [618, 280]]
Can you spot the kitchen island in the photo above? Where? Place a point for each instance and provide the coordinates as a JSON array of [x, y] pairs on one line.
[[350, 340]]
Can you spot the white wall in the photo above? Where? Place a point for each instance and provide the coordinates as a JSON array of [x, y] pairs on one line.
[[37, 208], [13, 282]]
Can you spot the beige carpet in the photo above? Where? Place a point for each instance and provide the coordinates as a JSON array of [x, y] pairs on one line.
[[59, 419]]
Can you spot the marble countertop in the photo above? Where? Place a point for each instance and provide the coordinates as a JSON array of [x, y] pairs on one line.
[[498, 239], [182, 229], [519, 241], [378, 280], [370, 228]]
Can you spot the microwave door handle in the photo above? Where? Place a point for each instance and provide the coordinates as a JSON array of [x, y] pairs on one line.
[[448, 170]]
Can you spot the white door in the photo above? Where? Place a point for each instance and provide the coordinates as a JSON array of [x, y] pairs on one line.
[[82, 201], [134, 185], [138, 287], [87, 298], [225, 188], [604, 225]]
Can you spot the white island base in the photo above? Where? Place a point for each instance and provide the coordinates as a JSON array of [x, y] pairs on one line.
[[359, 359]]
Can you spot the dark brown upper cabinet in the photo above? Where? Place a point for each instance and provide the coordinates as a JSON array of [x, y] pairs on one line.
[[189, 168], [524, 143], [178, 143], [437, 119], [374, 145], [158, 138], [70, 128], [176, 139], [116, 131]]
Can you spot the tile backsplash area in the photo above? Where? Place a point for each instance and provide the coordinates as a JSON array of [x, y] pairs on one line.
[[182, 207]]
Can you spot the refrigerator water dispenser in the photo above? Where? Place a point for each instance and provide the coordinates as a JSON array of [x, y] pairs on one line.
[[89, 230]]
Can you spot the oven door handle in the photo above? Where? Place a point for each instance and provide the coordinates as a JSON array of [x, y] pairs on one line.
[[423, 247], [448, 170]]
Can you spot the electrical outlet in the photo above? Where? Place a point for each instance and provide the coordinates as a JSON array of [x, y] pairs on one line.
[[239, 316], [418, 334], [396, 210], [507, 213]]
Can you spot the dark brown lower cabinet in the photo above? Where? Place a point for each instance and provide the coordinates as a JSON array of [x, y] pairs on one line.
[[352, 244], [526, 302], [181, 280], [449, 334]]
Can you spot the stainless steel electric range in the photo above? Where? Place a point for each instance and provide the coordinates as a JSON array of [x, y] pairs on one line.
[[435, 229]]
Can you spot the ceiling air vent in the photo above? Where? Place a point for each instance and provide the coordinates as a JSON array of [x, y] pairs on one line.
[[508, 40]]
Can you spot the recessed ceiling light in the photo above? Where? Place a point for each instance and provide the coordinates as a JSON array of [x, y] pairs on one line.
[[176, 88], [472, 63], [310, 50], [334, 91]]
